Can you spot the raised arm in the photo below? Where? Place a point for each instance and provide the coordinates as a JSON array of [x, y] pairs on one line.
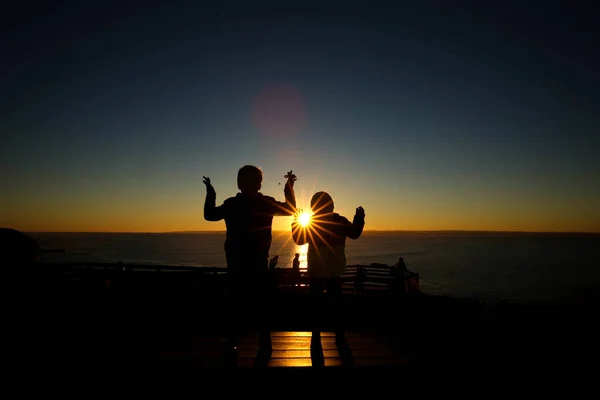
[[288, 207], [211, 212], [354, 230]]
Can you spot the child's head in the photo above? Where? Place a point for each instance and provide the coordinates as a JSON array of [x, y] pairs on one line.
[[249, 179], [321, 203]]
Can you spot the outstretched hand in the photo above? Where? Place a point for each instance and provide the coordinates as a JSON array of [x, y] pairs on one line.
[[360, 212], [291, 178], [209, 186]]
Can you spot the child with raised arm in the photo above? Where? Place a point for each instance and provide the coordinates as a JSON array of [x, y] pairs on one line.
[[248, 218], [326, 257]]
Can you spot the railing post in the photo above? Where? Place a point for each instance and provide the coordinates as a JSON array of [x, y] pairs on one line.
[[360, 278]]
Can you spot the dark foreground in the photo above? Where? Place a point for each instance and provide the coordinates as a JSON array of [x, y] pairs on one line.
[[60, 325]]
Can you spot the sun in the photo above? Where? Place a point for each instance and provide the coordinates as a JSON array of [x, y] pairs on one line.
[[304, 219]]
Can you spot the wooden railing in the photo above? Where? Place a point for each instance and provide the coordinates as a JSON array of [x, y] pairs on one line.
[[358, 279]]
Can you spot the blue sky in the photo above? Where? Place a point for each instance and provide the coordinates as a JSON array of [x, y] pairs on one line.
[[429, 117]]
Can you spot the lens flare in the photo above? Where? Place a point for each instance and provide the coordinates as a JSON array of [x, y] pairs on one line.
[[304, 219]]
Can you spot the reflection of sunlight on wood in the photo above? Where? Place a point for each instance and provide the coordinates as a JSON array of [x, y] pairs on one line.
[[296, 349]]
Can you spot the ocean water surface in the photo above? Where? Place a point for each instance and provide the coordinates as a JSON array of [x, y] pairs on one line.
[[490, 266]]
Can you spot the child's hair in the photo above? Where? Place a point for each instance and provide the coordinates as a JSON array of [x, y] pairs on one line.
[[249, 178], [321, 202]]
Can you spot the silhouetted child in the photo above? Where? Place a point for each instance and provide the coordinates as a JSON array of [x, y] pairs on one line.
[[296, 268], [248, 217], [326, 257], [273, 262], [408, 280], [401, 265]]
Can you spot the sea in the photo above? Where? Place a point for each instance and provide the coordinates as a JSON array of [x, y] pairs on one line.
[[489, 266]]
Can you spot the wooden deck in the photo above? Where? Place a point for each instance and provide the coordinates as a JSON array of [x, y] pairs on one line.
[[154, 320], [148, 317], [289, 349]]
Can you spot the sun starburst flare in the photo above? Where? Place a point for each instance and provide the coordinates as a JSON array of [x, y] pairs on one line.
[[304, 219]]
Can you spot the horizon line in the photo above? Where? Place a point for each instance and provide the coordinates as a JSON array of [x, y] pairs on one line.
[[365, 231]]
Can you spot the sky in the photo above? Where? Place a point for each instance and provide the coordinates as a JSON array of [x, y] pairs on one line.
[[430, 116]]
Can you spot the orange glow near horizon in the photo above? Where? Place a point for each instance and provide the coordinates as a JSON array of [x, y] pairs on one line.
[[98, 210], [376, 220]]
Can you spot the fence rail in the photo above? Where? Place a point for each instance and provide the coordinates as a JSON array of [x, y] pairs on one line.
[[358, 279]]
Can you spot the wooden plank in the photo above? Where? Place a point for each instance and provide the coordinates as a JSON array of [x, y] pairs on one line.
[[333, 362], [208, 340], [307, 339], [329, 353], [305, 344], [288, 346], [382, 352], [277, 362], [289, 340], [379, 361], [302, 362], [186, 355], [322, 334], [278, 353], [296, 344], [300, 334], [364, 344], [290, 349], [196, 362]]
